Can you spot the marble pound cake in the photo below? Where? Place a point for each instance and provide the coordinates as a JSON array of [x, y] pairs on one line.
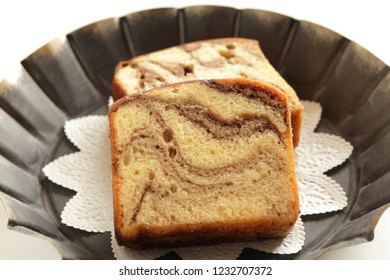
[[207, 59], [202, 162]]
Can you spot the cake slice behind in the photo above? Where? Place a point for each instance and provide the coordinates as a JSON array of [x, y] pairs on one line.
[[206, 59], [202, 162]]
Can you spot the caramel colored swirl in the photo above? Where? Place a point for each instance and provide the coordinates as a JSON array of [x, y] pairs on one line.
[[183, 147]]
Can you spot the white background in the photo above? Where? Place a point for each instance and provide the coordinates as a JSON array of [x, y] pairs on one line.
[[27, 25]]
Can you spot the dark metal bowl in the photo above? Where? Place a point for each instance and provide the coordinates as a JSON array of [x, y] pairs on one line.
[[71, 78]]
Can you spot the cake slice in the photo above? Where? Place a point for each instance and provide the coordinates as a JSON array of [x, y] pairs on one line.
[[201, 162], [208, 59]]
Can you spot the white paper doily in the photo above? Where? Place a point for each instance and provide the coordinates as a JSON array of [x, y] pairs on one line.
[[88, 172]]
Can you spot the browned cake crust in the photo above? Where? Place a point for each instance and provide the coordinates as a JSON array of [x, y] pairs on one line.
[[202, 162], [206, 59]]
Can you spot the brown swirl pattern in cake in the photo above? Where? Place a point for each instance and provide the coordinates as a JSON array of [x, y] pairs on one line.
[[197, 154]]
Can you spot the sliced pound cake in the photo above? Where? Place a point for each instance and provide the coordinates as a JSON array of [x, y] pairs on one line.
[[202, 162], [208, 59]]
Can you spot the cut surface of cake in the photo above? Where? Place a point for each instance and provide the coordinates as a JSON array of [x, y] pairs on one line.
[[202, 162], [207, 59]]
